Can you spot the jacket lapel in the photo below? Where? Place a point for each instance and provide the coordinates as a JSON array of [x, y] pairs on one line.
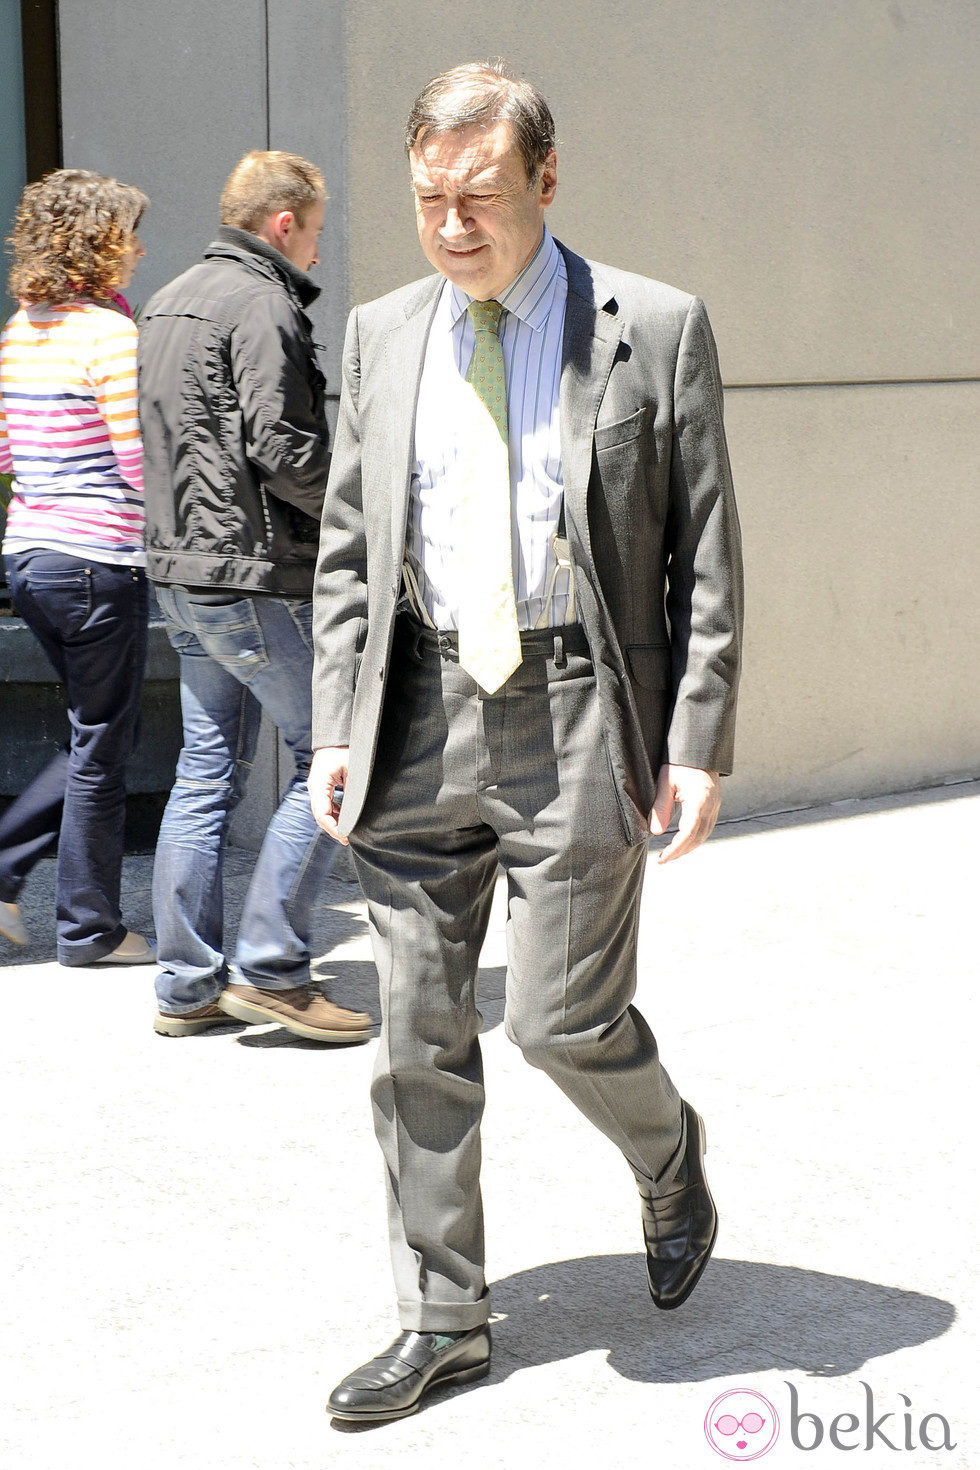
[[593, 330], [405, 355]]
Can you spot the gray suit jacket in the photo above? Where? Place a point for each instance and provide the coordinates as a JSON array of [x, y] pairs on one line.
[[650, 515]]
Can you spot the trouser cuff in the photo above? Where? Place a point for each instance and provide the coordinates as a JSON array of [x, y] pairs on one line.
[[93, 951], [653, 1188], [263, 982], [443, 1316]]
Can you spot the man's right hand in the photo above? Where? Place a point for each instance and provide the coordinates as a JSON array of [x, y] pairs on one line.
[[328, 771]]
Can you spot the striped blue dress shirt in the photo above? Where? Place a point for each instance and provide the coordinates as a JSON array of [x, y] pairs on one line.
[[531, 327]]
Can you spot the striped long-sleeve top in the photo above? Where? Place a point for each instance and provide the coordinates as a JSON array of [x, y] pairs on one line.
[[69, 432]]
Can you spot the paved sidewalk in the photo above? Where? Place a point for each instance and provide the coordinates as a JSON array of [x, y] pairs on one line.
[[194, 1246]]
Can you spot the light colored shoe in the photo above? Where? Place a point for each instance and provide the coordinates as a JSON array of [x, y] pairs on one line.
[[303, 1011], [203, 1019], [133, 950], [11, 924]]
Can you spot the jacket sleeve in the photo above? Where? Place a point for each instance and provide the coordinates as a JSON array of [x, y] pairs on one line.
[[704, 568], [340, 601], [286, 436]]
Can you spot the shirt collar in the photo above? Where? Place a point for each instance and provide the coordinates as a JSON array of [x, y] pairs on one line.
[[531, 295]]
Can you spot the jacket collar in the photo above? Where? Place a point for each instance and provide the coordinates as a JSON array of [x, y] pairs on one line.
[[241, 245], [588, 281]]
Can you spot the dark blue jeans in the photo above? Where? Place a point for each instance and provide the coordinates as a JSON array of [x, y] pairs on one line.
[[90, 619]]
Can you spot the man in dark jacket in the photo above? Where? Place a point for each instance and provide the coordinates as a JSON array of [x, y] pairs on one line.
[[235, 465]]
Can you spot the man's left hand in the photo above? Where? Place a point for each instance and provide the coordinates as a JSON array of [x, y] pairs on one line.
[[699, 796]]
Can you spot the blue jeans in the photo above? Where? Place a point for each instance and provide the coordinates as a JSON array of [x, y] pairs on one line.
[[238, 655], [90, 619]]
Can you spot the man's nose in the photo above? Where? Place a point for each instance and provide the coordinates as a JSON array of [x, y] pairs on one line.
[[454, 224]]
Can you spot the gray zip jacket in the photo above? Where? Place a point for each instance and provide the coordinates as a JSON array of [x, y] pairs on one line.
[[235, 440]]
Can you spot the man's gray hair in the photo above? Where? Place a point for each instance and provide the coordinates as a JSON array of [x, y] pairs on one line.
[[482, 94]]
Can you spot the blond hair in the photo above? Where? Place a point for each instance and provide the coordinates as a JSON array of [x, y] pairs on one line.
[[265, 183], [71, 231]]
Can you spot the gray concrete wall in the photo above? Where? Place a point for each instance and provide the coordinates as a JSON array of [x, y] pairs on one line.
[[860, 516], [810, 170]]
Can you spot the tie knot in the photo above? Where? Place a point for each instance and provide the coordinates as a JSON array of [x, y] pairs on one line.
[[485, 315]]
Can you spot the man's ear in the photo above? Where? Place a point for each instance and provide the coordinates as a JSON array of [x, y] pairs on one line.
[[548, 182], [275, 229], [283, 223]]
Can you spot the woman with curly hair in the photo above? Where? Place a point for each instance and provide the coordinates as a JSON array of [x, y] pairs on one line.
[[73, 549]]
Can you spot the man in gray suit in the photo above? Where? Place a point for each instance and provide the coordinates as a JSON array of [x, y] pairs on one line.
[[527, 622]]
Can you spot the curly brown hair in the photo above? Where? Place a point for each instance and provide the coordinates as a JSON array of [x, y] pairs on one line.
[[71, 231]]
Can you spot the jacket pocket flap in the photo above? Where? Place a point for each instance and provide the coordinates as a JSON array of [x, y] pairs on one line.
[[621, 432], [649, 664]]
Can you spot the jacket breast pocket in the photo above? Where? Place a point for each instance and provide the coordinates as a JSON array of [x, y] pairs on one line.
[[623, 431], [626, 459], [626, 502]]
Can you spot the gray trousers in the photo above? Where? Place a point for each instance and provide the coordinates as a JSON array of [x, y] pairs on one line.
[[463, 780]]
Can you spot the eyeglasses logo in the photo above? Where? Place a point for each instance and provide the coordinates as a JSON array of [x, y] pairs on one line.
[[741, 1425]]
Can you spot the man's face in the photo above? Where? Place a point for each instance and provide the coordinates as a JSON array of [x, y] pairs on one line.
[[480, 218], [300, 243]]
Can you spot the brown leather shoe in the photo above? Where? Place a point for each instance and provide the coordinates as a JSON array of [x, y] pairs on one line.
[[680, 1227], [304, 1011], [205, 1018]]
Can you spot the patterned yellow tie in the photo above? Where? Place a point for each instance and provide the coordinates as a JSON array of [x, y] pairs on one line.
[[489, 641]]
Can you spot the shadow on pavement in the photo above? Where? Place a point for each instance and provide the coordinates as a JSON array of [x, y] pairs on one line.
[[354, 984], [332, 922], [746, 1317], [276, 1038]]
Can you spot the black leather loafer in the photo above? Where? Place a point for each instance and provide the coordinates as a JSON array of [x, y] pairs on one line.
[[392, 1384], [680, 1227]]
